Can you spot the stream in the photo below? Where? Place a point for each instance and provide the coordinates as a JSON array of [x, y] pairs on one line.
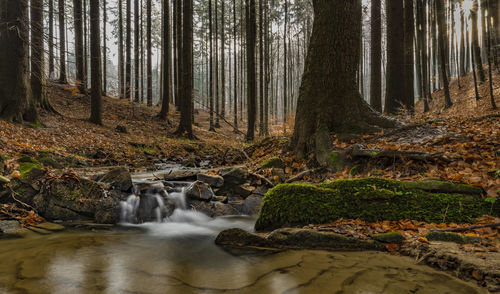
[[178, 255]]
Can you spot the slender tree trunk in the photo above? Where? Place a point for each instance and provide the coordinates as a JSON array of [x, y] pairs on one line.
[[285, 65], [261, 69], [78, 24], [235, 99], [474, 74], [179, 86], [121, 81], [51, 38], [217, 101], [211, 75], [422, 44], [95, 64], [165, 107], [104, 49], [62, 42], [251, 71], [329, 99], [150, 54], [462, 69], [395, 92], [266, 68], [376, 56], [128, 57], [137, 94], [475, 43], [185, 124], [490, 56], [440, 15], [223, 61]]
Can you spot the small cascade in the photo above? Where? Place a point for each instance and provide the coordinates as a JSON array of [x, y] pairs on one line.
[[179, 199]]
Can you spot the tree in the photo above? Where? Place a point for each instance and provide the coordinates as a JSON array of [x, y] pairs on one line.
[[235, 110], [186, 123], [442, 39], [120, 50], [376, 56], [16, 103], [409, 97], [475, 43], [78, 23], [211, 75], [128, 41], [104, 49], [490, 57], [136, 51], [165, 104], [223, 61], [285, 68], [51, 38], [150, 55], [329, 100], [95, 64], [251, 75], [261, 69], [395, 90], [62, 43]]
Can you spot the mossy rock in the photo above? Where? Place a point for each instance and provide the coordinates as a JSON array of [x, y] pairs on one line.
[[26, 167], [369, 199], [275, 162], [451, 237], [390, 237]]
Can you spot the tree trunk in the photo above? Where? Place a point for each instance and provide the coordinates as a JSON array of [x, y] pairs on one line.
[[185, 125], [121, 81], [51, 38], [261, 69], [443, 40], [490, 57], [217, 104], [285, 66], [409, 97], [104, 48], [475, 43], [95, 64], [150, 55], [422, 44], [128, 57], [165, 104], [137, 94], [463, 70], [223, 62], [235, 99], [62, 43], [16, 102], [211, 75], [376, 56], [178, 35], [251, 74], [329, 100], [395, 90], [79, 64]]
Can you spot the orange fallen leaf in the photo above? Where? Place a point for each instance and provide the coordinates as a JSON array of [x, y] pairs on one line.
[[423, 240]]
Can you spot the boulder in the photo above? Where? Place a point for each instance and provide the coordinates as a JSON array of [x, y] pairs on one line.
[[119, 178], [240, 238], [244, 190], [252, 204], [370, 199], [233, 176], [212, 180], [199, 191]]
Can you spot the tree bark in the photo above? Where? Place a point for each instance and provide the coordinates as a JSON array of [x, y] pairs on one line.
[[376, 56], [62, 43], [128, 57], [395, 90], [223, 62], [235, 99], [329, 100], [16, 103], [443, 40], [475, 43], [137, 94], [251, 75], [121, 81], [95, 64], [211, 75], [150, 55], [165, 104], [51, 38], [104, 49], [79, 64], [409, 33]]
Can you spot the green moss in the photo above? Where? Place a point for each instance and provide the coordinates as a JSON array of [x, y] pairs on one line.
[[28, 166], [354, 170], [451, 237], [369, 199], [275, 162], [335, 161], [391, 237]]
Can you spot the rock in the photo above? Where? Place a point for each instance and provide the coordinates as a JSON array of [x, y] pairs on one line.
[[199, 191], [7, 226], [119, 178], [239, 205], [212, 180], [243, 190], [380, 199], [252, 204], [235, 175], [121, 129], [240, 238], [391, 237], [272, 162], [181, 175], [222, 209]]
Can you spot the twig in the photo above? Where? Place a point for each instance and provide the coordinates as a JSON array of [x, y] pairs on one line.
[[492, 225], [301, 175], [262, 178], [19, 201]]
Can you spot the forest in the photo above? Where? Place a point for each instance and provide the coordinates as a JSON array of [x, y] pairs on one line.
[[249, 146]]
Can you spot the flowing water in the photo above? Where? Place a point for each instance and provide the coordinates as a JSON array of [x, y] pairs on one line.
[[178, 255]]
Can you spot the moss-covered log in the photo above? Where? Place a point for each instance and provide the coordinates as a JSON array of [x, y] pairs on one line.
[[372, 199]]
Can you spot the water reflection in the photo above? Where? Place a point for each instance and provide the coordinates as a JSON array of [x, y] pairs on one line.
[[162, 259]]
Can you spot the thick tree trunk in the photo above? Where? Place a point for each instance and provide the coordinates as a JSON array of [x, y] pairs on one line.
[[329, 100], [395, 90], [15, 92], [251, 74], [165, 104], [409, 34], [376, 56], [443, 40], [79, 64], [185, 125], [95, 64], [62, 43]]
